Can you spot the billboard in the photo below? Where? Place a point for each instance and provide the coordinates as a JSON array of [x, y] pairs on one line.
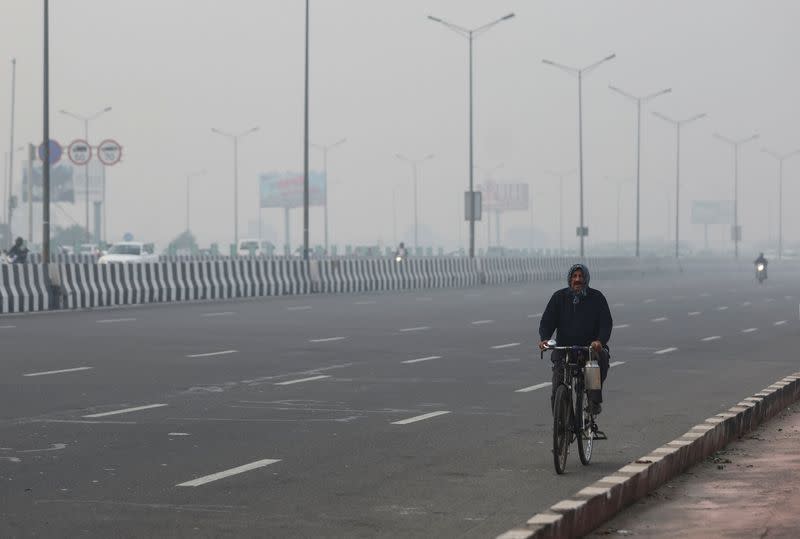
[[712, 212], [285, 189], [61, 184], [505, 196]]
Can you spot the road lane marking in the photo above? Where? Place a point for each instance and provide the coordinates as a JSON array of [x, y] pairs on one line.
[[125, 410], [616, 364], [533, 388], [746, 304], [661, 319], [210, 354], [7, 327], [695, 313], [749, 330], [365, 303], [537, 315], [482, 322], [227, 473], [178, 434], [429, 358], [780, 323], [420, 328], [769, 299], [76, 369], [666, 351], [705, 295], [299, 308], [301, 380], [225, 313], [620, 326], [115, 320], [419, 418], [788, 297], [328, 339], [722, 308], [649, 300], [509, 345], [618, 305], [712, 338]]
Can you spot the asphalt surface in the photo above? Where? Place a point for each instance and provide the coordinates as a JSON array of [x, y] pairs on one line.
[[306, 398]]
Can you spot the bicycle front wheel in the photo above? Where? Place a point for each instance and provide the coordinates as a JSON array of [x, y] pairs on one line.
[[583, 427], [562, 425]]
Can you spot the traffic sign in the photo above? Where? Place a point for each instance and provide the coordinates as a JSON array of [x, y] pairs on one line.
[[582, 231], [55, 151], [79, 152], [127, 236], [109, 152]]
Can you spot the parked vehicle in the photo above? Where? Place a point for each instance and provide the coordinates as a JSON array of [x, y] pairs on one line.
[[129, 251]]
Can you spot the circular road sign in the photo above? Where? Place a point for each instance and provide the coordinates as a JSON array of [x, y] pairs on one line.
[[79, 152], [109, 152], [55, 151]]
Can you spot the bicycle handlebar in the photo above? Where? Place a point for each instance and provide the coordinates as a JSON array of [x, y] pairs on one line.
[[576, 348]]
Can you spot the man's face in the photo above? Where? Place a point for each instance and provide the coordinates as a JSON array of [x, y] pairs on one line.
[[577, 282]]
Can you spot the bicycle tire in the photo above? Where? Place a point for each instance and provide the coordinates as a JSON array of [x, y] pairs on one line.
[[583, 427], [562, 425]]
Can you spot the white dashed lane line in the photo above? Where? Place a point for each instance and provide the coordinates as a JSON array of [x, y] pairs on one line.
[[62, 371], [779, 323], [508, 345], [722, 308], [616, 363], [749, 330], [660, 319], [115, 320], [227, 473], [225, 313], [420, 360], [7, 327], [533, 388], [328, 339], [537, 315], [711, 338], [299, 308], [365, 303], [212, 354], [125, 410], [649, 300], [420, 328], [618, 305], [301, 380], [695, 313], [666, 351], [422, 417], [621, 326], [746, 304], [482, 322]]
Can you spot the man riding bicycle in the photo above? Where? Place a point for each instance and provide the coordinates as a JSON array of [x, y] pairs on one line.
[[581, 317]]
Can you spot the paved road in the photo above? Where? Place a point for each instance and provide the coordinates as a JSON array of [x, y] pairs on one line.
[[386, 415]]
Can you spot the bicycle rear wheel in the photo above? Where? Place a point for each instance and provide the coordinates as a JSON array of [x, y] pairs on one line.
[[583, 427], [562, 425]]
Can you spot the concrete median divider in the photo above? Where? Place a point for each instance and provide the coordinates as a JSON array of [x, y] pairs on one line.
[[597, 503], [24, 288]]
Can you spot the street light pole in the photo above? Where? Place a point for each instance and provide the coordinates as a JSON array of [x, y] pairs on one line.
[[235, 138], [735, 143], [781, 158], [305, 141], [325, 150], [579, 72], [85, 120], [618, 183], [471, 35], [46, 138], [188, 181], [414, 166], [639, 100], [560, 176], [7, 209], [678, 124]]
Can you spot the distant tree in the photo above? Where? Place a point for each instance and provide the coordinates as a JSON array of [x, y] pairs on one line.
[[184, 242], [70, 236]]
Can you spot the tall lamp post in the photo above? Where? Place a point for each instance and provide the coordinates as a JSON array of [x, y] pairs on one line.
[[639, 101], [188, 184], [735, 143], [86, 120], [235, 138], [780, 158], [325, 150], [579, 72], [415, 166], [560, 176], [471, 35], [618, 183], [678, 124]]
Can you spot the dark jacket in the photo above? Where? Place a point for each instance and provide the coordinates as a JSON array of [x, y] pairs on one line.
[[577, 324]]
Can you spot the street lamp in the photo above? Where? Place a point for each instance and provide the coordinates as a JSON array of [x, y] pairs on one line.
[[188, 182], [235, 138], [86, 120], [580, 72], [735, 143], [560, 176], [781, 158], [471, 35], [678, 124], [325, 169], [415, 165], [639, 101], [488, 174], [619, 183]]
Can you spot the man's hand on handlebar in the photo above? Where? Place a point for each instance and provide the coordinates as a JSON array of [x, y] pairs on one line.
[[597, 346], [542, 346]]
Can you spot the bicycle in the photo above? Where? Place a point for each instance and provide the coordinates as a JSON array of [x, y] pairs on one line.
[[571, 395]]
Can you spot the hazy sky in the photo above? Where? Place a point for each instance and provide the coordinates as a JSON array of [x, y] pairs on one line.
[[391, 81]]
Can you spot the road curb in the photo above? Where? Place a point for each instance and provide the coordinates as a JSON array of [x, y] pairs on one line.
[[597, 503]]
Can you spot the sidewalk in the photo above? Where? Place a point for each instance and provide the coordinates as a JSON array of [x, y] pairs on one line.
[[751, 488]]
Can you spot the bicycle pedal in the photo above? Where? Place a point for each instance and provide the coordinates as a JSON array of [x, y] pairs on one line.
[[600, 435]]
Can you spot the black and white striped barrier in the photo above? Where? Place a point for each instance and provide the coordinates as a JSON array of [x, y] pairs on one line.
[[24, 288]]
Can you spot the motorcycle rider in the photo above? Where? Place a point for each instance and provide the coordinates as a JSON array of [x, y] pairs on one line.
[[18, 253], [581, 317], [761, 260], [401, 253]]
